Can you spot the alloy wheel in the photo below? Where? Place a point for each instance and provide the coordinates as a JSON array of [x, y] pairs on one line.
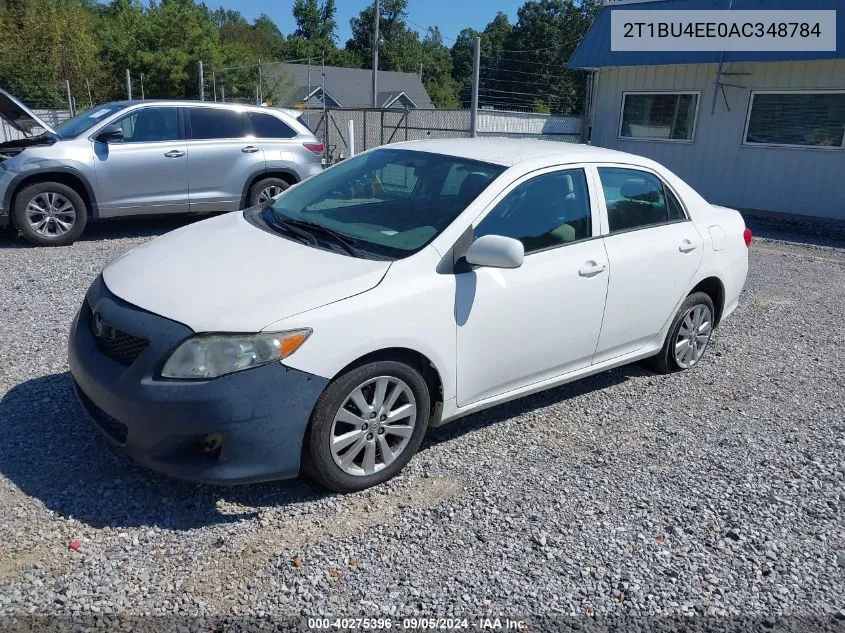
[[50, 214], [373, 426], [693, 336], [269, 193]]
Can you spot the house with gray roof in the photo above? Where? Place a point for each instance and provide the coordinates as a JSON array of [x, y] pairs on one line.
[[352, 88]]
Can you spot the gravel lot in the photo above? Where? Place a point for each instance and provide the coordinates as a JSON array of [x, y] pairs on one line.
[[718, 492]]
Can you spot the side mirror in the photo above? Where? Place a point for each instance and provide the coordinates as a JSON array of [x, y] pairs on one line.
[[496, 251], [110, 134]]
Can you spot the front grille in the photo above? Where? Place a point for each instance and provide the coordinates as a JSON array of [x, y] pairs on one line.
[[118, 345], [110, 426]]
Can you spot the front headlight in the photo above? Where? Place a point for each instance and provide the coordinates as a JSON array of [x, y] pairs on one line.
[[213, 355]]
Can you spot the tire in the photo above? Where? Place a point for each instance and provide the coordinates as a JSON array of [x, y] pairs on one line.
[[49, 214], [371, 434], [268, 187], [668, 360]]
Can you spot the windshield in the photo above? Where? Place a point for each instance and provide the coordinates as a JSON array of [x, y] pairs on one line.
[[391, 202], [88, 119]]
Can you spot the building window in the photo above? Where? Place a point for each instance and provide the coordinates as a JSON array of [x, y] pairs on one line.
[[658, 116], [796, 119]]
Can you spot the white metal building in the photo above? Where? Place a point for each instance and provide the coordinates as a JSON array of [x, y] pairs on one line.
[[756, 131]]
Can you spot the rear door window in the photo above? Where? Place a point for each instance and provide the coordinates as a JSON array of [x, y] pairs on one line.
[[216, 123], [637, 199]]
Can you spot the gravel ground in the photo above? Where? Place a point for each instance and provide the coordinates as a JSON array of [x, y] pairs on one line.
[[717, 492]]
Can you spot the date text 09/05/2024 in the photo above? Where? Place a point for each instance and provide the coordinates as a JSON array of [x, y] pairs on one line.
[[416, 624]]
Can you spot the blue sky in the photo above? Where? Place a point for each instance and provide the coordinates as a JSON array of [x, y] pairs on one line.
[[450, 15]]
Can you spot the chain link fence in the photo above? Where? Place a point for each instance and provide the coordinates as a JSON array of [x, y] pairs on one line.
[[374, 127], [51, 117]]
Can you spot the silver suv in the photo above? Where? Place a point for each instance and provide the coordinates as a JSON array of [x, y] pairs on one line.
[[147, 157]]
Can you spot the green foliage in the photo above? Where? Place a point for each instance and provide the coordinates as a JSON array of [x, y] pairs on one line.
[[523, 66], [91, 43], [315, 20]]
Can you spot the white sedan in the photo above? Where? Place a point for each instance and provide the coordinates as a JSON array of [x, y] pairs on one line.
[[328, 329]]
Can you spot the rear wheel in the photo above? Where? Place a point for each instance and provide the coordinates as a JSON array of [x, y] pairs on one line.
[[265, 190], [49, 214], [366, 426], [688, 336]]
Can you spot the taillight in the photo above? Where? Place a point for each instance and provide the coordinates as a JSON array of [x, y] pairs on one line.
[[746, 235], [317, 148]]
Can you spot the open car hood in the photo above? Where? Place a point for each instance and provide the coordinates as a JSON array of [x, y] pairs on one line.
[[19, 116]]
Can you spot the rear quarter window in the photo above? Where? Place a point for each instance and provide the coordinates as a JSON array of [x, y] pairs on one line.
[[269, 126]]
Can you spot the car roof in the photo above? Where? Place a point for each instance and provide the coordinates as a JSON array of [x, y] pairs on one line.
[[196, 102], [510, 151]]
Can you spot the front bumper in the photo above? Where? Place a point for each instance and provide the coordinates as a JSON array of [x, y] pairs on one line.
[[6, 178], [259, 415]]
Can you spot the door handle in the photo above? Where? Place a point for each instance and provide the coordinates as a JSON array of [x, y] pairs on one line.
[[249, 149], [591, 269], [686, 246], [174, 153]]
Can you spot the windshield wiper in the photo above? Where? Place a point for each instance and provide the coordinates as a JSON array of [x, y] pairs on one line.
[[302, 236], [344, 241]]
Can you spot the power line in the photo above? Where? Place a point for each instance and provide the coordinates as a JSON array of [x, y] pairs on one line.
[[512, 92], [425, 30], [565, 72]]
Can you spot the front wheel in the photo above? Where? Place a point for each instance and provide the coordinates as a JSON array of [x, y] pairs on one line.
[[49, 214], [688, 336], [366, 426]]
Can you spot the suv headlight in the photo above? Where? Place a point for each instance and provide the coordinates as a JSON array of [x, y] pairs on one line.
[[213, 355]]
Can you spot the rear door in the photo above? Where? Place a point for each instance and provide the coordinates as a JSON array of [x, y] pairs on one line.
[[653, 251], [222, 157], [146, 171]]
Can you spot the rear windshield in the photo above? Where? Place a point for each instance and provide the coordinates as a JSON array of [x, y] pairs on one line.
[[88, 119]]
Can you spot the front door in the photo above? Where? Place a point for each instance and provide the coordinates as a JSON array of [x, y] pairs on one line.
[[520, 326], [222, 158], [654, 251], [147, 171]]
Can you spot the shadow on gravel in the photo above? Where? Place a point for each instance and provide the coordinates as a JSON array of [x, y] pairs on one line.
[[114, 229], [810, 232], [540, 400], [52, 452]]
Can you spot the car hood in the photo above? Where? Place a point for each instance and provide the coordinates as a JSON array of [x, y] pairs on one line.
[[224, 274], [19, 116]]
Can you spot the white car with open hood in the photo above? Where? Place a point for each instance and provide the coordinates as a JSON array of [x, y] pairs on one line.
[[329, 328]]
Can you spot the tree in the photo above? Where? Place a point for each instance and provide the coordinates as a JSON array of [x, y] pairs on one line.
[[437, 70], [399, 47], [179, 33], [532, 63], [315, 20], [44, 44]]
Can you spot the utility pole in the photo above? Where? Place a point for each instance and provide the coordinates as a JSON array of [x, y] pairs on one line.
[[128, 85], [214, 84], [90, 100], [69, 98], [202, 83], [142, 86], [260, 87], [376, 16], [476, 70], [323, 99]]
